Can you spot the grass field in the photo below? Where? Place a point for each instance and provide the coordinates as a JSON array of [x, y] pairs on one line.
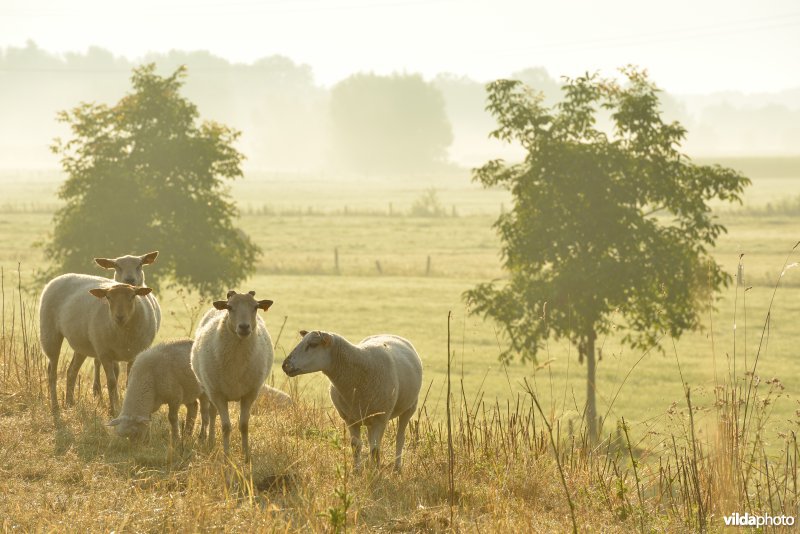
[[299, 221]]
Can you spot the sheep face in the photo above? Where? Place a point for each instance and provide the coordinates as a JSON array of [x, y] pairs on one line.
[[312, 354], [121, 300], [242, 310], [133, 427], [128, 269]]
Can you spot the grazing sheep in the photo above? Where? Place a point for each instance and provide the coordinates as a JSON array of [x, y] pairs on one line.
[[162, 375], [109, 322], [232, 356], [127, 270], [371, 383], [276, 397]]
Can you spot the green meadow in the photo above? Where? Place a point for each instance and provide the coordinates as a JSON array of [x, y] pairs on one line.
[[301, 222]]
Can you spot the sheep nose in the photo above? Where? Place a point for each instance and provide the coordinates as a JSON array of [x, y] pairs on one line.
[[130, 281], [286, 367], [244, 330], [119, 318]]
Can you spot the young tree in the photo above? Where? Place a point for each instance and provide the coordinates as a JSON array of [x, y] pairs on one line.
[[143, 175], [603, 223], [389, 123]]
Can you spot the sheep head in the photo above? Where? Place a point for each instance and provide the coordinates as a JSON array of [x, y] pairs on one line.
[[312, 354], [121, 300], [242, 309], [133, 427], [128, 269]]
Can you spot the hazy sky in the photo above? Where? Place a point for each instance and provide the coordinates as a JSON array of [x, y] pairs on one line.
[[688, 46]]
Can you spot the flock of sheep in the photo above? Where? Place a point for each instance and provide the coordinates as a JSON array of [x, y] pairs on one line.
[[228, 360]]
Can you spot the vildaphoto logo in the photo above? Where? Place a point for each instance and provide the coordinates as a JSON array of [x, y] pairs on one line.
[[747, 520]]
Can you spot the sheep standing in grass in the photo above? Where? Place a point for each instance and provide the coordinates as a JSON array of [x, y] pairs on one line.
[[109, 322], [371, 383], [127, 270], [232, 356], [162, 375]]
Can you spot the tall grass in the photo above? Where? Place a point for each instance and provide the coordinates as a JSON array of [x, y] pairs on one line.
[[495, 466]]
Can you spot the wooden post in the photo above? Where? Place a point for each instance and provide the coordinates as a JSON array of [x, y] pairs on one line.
[[378, 266], [336, 259], [428, 267]]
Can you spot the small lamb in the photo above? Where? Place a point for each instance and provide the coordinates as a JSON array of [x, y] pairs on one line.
[[162, 375], [109, 322], [371, 383], [232, 356], [127, 270]]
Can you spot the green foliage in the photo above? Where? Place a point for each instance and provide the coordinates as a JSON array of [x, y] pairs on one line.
[[143, 175], [389, 123], [609, 229]]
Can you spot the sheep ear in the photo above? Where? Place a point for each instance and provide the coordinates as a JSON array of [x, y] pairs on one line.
[[326, 339], [106, 263], [230, 293], [114, 422], [149, 258], [142, 291], [99, 292], [252, 293], [221, 304], [264, 304], [303, 333]]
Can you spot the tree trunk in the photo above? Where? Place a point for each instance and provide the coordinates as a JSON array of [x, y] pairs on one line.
[[591, 403]]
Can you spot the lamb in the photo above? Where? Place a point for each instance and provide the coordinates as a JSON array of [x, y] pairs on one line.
[[162, 375], [371, 383], [109, 322], [128, 270], [232, 356]]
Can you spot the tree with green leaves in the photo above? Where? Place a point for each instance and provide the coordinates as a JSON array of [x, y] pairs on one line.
[[610, 229], [389, 123], [143, 175]]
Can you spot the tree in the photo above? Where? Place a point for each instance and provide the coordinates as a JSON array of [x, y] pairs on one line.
[[389, 123], [603, 223], [143, 175]]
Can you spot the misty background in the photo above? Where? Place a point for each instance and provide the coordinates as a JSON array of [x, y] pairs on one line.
[[289, 123]]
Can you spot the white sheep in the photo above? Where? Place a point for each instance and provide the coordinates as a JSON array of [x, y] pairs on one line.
[[110, 322], [371, 383], [232, 356], [162, 375], [127, 270]]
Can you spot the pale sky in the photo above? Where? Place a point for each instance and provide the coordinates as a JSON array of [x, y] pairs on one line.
[[692, 46]]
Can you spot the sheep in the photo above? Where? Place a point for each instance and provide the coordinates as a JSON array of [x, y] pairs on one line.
[[128, 270], [110, 322], [371, 383], [232, 356], [162, 375]]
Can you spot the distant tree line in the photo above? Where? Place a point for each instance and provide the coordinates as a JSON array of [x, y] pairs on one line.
[[289, 122]]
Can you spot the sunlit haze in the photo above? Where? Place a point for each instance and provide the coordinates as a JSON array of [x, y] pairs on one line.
[[688, 46]]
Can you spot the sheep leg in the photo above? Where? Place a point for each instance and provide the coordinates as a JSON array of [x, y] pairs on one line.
[[111, 382], [402, 423], [224, 421], [355, 443], [51, 346], [244, 423], [97, 389], [204, 410], [72, 375], [375, 432], [173, 422], [191, 415], [212, 420]]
